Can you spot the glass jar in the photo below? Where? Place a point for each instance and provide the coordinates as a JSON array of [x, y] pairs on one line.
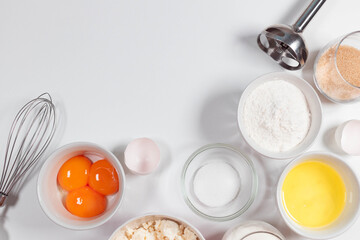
[[337, 69], [253, 230]]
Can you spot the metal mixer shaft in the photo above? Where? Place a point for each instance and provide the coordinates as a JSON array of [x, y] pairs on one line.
[[285, 44]]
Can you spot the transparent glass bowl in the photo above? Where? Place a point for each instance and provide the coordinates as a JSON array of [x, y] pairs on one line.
[[243, 166], [329, 65]]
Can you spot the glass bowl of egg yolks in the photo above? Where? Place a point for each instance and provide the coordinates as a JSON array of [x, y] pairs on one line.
[[318, 195], [61, 188]]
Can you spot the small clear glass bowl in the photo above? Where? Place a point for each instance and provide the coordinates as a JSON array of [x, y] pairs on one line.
[[244, 168]]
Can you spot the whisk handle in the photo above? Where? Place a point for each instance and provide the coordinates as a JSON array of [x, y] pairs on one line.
[[307, 15], [2, 198]]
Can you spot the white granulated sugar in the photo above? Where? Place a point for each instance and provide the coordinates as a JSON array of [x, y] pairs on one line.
[[276, 115], [216, 184]]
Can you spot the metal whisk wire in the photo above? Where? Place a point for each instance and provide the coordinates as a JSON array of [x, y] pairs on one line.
[[30, 134]]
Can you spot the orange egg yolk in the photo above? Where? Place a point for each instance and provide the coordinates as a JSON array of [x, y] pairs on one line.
[[103, 178], [85, 202], [74, 173]]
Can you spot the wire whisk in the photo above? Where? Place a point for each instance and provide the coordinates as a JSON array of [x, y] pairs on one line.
[[30, 134]]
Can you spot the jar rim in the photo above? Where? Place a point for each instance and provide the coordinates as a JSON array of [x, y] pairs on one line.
[[257, 232]]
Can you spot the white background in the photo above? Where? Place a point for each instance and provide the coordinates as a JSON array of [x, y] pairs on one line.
[[169, 70]]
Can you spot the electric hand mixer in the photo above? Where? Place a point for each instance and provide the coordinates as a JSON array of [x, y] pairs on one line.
[[30, 134], [285, 44]]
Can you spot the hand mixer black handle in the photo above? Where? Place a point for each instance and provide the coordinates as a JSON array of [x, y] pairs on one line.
[[307, 15]]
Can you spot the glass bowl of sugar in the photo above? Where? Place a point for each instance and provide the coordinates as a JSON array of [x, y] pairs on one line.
[[337, 71], [219, 182]]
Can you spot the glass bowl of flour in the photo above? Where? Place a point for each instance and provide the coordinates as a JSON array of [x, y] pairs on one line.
[[279, 115]]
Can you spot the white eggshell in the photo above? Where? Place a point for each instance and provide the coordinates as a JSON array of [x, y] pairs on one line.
[[142, 156], [350, 137]]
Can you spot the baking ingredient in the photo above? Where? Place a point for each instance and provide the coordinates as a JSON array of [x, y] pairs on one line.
[[156, 230], [216, 184], [348, 62], [103, 177], [335, 85], [88, 183], [261, 236], [276, 116], [142, 156], [313, 194], [253, 230], [348, 137], [74, 173], [85, 202]]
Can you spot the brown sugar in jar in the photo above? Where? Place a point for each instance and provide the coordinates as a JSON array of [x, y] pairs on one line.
[[339, 77]]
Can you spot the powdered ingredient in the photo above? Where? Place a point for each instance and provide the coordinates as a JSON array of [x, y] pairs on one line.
[[276, 115], [330, 81], [216, 184]]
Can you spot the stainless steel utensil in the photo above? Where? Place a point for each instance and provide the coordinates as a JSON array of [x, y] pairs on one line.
[[285, 44], [30, 134]]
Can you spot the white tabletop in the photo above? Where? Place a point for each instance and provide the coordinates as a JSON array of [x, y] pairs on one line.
[[172, 71]]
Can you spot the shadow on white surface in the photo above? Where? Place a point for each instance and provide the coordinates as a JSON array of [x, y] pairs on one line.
[[308, 75], [265, 205], [308, 70], [215, 237], [218, 119], [330, 142], [10, 202], [118, 151]]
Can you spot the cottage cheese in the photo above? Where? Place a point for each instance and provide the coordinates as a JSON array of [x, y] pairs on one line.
[[157, 230]]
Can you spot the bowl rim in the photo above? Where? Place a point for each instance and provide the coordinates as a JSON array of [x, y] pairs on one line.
[[280, 182], [290, 153], [42, 172], [254, 179], [161, 215]]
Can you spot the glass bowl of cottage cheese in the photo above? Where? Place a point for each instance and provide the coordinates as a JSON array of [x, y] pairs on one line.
[[156, 227], [279, 115]]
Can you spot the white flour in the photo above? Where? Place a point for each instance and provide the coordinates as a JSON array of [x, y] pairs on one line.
[[276, 116]]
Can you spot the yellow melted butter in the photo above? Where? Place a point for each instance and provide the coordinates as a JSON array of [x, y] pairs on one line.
[[313, 194]]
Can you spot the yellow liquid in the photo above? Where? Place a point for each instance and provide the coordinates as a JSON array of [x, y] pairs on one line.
[[313, 194]]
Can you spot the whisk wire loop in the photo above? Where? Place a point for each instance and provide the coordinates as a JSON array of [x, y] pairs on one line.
[[30, 134]]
